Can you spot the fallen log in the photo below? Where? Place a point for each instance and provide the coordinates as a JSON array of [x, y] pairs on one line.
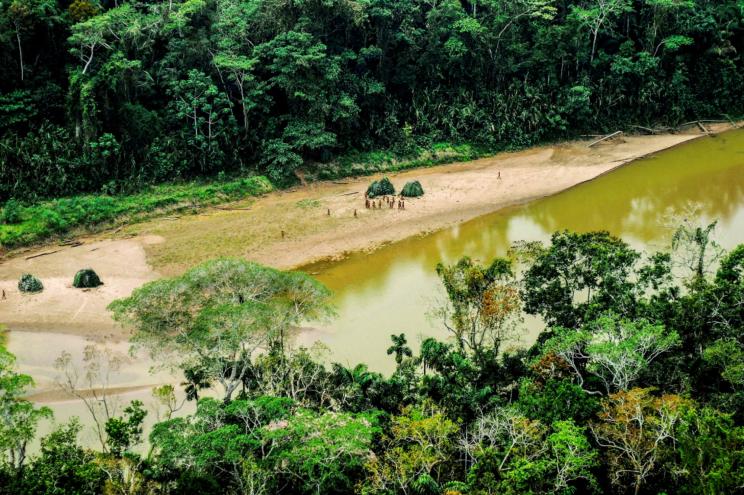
[[71, 243], [43, 254], [702, 127], [733, 124], [609, 136], [227, 208], [647, 129]]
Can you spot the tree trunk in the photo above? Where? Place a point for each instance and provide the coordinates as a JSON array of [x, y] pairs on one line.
[[20, 51]]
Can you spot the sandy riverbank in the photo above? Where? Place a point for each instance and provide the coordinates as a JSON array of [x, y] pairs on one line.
[[253, 228]]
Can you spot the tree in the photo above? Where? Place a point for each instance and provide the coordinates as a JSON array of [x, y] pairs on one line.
[[125, 432], [319, 453], [597, 13], [298, 375], [63, 467], [91, 384], [206, 117], [19, 418], [574, 458], [399, 348], [615, 350], [195, 380], [695, 247], [216, 316], [24, 16], [556, 400], [216, 442], [232, 32], [579, 277], [414, 453], [483, 304], [512, 454], [710, 447], [637, 432], [728, 355]]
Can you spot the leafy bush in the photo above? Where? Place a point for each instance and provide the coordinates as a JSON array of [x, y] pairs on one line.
[[86, 278], [412, 189], [29, 284], [382, 187], [11, 212]]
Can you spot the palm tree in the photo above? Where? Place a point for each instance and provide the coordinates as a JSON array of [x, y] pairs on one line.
[[195, 381], [399, 348]]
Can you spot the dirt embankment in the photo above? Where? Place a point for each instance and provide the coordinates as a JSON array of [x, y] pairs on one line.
[[292, 228]]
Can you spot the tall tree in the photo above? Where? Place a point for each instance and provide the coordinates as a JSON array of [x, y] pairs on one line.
[[216, 316]]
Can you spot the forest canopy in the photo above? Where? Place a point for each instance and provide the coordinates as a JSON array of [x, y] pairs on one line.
[[109, 96], [635, 386]]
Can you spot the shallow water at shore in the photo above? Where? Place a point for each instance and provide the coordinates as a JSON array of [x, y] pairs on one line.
[[390, 290]]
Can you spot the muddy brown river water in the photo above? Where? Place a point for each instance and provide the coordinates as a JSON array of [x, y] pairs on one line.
[[392, 289]]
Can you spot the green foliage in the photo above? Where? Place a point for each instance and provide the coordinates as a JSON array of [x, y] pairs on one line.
[[382, 187], [45, 219], [29, 284], [711, 452], [556, 400], [207, 124], [321, 451], [11, 212], [592, 408], [63, 467], [125, 432], [615, 350], [399, 348], [483, 305], [579, 277], [636, 429], [19, 417], [412, 189], [515, 455], [728, 355], [415, 453], [214, 316], [95, 93], [86, 278]]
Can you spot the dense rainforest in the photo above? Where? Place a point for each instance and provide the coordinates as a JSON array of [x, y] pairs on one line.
[[635, 385], [108, 96]]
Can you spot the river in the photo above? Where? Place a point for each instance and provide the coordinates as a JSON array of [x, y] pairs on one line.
[[392, 289]]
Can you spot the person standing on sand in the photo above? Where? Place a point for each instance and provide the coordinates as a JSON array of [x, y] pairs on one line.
[[4, 295], [499, 176]]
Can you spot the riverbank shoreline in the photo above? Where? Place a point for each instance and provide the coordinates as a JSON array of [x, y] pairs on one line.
[[293, 228]]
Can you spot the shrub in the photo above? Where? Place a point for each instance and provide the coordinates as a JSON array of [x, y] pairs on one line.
[[30, 284], [86, 278], [412, 189], [383, 187], [11, 212]]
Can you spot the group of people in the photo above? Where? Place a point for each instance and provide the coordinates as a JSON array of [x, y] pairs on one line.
[[390, 201]]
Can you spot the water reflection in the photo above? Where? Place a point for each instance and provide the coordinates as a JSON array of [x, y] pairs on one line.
[[389, 290]]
